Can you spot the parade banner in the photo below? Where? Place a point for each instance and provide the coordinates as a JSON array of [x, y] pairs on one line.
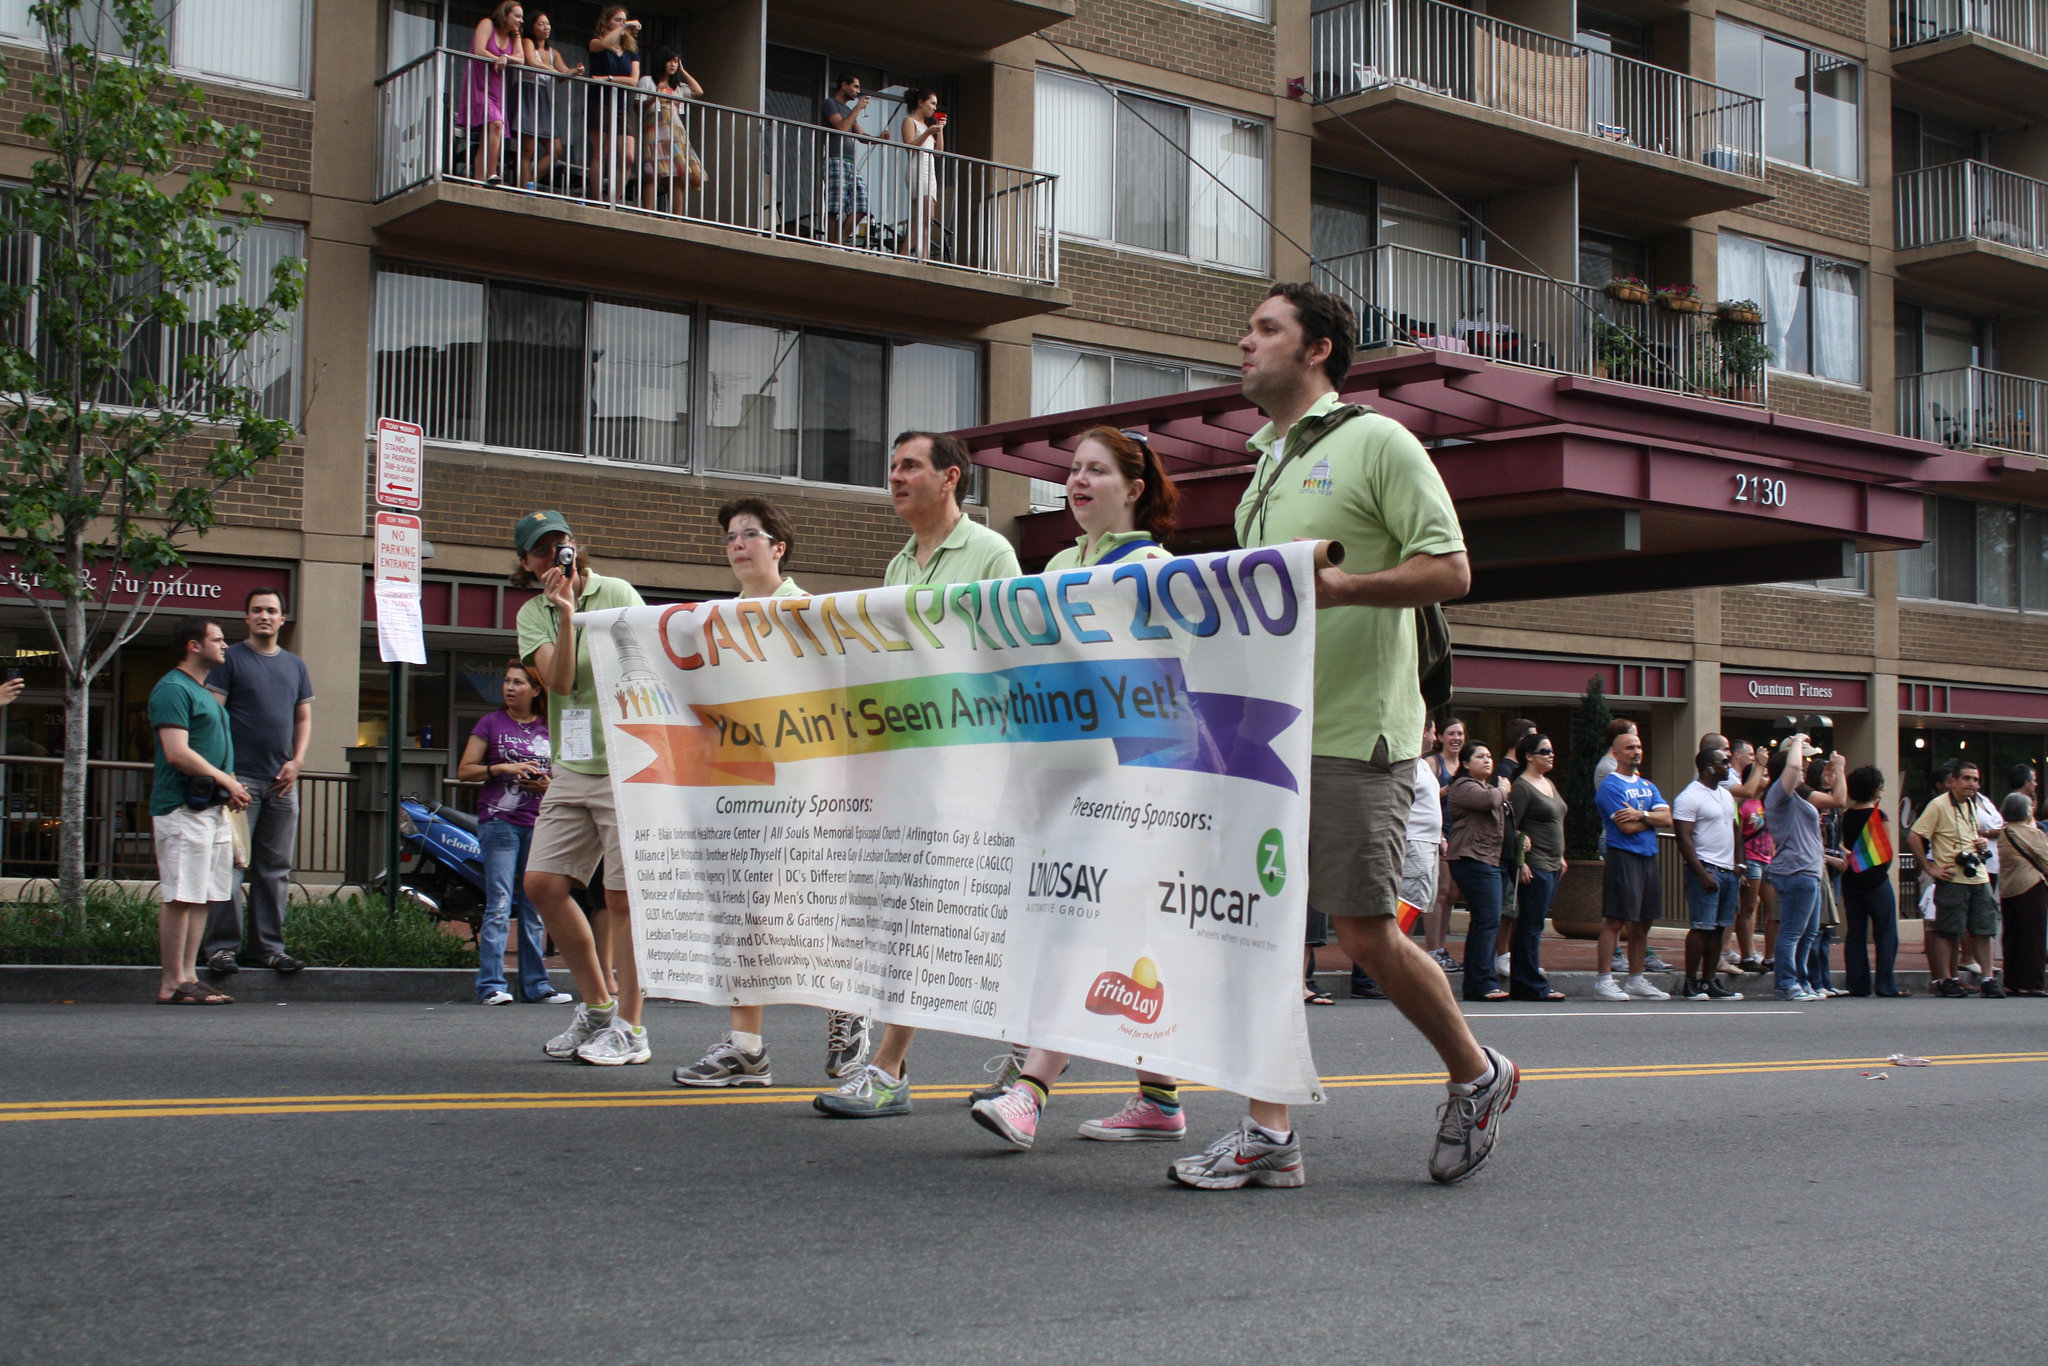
[[1066, 809]]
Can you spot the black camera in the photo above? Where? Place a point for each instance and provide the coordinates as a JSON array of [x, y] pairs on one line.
[[565, 557], [1969, 865]]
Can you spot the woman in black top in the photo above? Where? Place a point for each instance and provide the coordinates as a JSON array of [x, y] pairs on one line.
[[1539, 813], [1868, 906]]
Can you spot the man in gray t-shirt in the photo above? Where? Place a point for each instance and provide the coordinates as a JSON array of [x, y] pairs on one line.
[[269, 696], [846, 194]]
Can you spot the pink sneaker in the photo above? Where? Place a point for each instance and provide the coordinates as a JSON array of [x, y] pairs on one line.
[[1013, 1115], [1140, 1121]]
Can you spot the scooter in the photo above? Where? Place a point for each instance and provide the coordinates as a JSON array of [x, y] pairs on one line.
[[441, 867]]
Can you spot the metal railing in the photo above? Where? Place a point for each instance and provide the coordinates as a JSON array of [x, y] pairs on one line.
[[1428, 45], [452, 116], [1962, 200], [117, 836], [2018, 22], [1973, 406], [1452, 304]]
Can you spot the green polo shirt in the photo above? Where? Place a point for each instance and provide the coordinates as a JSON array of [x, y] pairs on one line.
[[178, 701], [1078, 556], [972, 553], [537, 627], [1370, 485]]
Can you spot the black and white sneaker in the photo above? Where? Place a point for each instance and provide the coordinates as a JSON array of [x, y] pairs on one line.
[[1469, 1122], [848, 1037], [1717, 992], [1694, 990]]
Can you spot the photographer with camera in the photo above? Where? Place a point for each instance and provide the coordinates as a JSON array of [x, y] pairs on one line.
[[1802, 786], [1950, 844], [577, 827]]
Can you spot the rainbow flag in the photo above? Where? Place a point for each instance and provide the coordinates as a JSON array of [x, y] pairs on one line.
[[1407, 912], [1873, 848]]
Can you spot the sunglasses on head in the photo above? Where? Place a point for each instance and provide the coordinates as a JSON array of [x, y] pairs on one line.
[[1139, 438]]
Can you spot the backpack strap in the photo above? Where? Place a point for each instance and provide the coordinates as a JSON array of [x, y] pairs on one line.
[[1127, 548]]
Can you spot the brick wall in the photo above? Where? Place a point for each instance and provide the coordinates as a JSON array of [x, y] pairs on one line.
[[285, 163], [1646, 616], [1837, 16], [1820, 402], [1226, 48], [1112, 286], [1944, 644], [270, 497], [1813, 202], [474, 498], [1771, 620]]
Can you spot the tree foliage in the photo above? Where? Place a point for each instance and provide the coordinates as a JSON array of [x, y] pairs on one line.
[[1589, 730]]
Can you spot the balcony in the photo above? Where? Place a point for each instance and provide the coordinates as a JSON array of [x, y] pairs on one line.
[[1424, 299], [1976, 52], [727, 196], [1493, 107], [1974, 234], [1974, 407]]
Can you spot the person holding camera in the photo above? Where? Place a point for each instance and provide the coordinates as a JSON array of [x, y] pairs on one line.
[[1949, 843], [1799, 791], [577, 827], [193, 790]]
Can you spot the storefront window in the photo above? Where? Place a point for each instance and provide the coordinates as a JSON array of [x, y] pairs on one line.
[[428, 718]]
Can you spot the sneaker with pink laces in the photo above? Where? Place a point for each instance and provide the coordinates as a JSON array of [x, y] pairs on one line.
[[1140, 1121], [1011, 1116]]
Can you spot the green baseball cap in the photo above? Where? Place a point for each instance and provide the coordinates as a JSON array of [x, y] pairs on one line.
[[527, 532]]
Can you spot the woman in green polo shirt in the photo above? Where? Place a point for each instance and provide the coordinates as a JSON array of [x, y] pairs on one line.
[[1119, 493]]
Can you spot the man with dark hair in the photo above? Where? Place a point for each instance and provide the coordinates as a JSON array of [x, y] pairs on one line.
[[1949, 843], [1330, 470], [1703, 818], [269, 696], [846, 194], [192, 791], [2022, 778], [946, 546]]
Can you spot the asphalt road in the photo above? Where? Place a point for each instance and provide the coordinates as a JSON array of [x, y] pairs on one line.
[[1676, 1182]]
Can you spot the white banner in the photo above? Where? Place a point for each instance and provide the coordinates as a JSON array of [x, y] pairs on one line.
[[1067, 809]]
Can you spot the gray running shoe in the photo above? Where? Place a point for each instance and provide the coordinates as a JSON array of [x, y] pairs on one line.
[[1008, 1067], [727, 1065], [848, 1037], [1445, 961], [564, 1045], [1469, 1122], [867, 1094], [617, 1044], [1652, 963], [1242, 1157]]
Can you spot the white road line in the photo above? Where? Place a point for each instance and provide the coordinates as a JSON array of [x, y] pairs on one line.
[[1622, 1014]]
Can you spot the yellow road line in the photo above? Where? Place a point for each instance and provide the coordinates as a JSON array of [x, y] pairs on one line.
[[197, 1107]]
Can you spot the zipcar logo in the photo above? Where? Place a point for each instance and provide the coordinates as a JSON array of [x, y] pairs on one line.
[[1140, 996]]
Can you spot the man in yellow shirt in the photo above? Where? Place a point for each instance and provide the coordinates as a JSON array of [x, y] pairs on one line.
[[1964, 905]]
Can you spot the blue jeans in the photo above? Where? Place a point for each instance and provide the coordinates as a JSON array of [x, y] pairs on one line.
[[1798, 914], [1525, 970], [1480, 882], [505, 845], [1873, 913]]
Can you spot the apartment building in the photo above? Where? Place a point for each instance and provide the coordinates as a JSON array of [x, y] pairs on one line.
[[636, 336]]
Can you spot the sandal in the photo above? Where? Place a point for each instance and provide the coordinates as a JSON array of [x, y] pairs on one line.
[[1318, 998], [193, 994], [1495, 995]]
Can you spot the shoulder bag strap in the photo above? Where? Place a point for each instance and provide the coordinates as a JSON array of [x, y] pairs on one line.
[[1316, 431], [1127, 548]]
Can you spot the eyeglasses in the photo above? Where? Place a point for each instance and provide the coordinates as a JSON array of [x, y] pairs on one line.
[[1139, 438], [752, 533]]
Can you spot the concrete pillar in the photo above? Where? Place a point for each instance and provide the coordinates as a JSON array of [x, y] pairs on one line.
[[330, 592]]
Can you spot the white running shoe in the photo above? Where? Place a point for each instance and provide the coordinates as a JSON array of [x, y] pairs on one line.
[[580, 1031], [615, 1045], [1605, 987], [1469, 1122], [1503, 964], [1639, 987], [497, 998]]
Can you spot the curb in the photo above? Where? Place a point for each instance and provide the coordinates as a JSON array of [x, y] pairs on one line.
[[41, 984], [1578, 986]]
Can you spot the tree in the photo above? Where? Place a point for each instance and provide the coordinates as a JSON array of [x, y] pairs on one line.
[[128, 342], [1589, 731]]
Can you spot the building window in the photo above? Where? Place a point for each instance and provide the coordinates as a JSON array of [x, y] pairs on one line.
[[261, 42], [1813, 100], [1123, 177], [1813, 307], [510, 365], [1067, 378], [1856, 581], [1989, 554], [1250, 9]]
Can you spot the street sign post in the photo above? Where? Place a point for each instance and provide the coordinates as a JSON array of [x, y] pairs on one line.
[[399, 465], [400, 472]]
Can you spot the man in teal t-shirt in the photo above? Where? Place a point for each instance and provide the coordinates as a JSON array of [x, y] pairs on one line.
[[1330, 472], [192, 792]]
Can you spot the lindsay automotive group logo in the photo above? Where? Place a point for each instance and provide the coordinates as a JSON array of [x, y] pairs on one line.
[[1140, 996]]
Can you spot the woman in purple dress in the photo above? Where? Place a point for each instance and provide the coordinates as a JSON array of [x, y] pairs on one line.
[[495, 45]]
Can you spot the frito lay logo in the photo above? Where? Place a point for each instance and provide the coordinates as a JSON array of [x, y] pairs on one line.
[[1137, 997]]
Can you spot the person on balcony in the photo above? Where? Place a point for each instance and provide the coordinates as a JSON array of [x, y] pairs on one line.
[[533, 116], [923, 131], [615, 59], [495, 46], [846, 194], [672, 165]]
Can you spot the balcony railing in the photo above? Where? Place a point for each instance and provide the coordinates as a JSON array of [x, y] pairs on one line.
[[1427, 45], [1974, 407], [602, 143], [2018, 22], [1961, 200], [1528, 319]]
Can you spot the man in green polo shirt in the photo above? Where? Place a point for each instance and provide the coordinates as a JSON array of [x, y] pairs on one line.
[[578, 826], [1330, 471], [927, 474]]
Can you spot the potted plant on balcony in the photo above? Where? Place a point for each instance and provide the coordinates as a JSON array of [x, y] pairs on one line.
[[1679, 298], [1744, 352], [1619, 351], [1628, 289], [1741, 312]]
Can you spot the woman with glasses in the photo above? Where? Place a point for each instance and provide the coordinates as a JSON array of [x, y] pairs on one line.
[[1119, 493], [758, 541], [1539, 816]]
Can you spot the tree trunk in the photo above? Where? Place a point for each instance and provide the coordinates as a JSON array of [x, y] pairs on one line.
[[77, 750]]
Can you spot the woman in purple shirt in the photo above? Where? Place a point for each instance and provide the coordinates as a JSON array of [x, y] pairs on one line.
[[509, 752]]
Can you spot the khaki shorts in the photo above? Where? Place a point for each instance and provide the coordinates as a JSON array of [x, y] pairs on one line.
[[195, 855], [1357, 834], [577, 828], [1418, 873]]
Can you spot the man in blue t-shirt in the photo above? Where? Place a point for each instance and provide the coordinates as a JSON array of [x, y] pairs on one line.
[[1632, 811]]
